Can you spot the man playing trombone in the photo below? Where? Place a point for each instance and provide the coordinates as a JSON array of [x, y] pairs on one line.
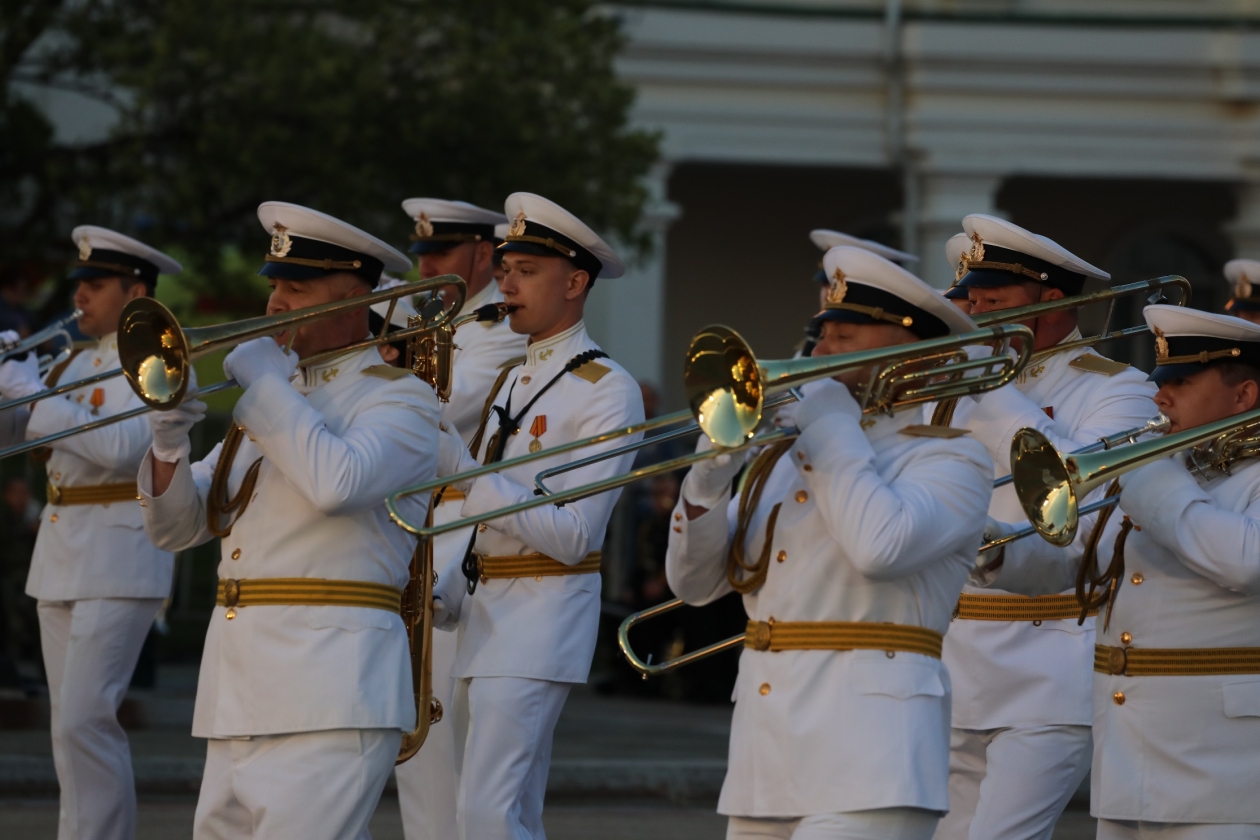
[[850, 546], [98, 579], [1020, 666], [305, 687]]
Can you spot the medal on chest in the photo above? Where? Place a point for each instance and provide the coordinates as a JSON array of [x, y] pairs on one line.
[[537, 429]]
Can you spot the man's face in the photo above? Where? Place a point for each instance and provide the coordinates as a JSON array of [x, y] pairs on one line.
[[469, 260], [324, 333], [840, 337], [543, 290], [102, 301], [1049, 329], [1203, 397], [1252, 315]]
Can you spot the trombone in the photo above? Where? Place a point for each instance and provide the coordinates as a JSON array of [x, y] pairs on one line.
[[156, 354], [56, 329], [728, 388]]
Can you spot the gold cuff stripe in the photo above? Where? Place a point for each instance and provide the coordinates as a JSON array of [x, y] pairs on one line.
[[326, 265], [95, 494], [546, 243], [307, 592], [876, 312], [1176, 662], [450, 494], [842, 635], [1018, 608], [1201, 358], [534, 565]]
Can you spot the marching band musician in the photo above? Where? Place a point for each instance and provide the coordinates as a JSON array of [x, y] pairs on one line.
[[850, 546], [826, 239], [453, 237], [98, 580], [527, 628], [1243, 276], [1020, 666], [305, 686]]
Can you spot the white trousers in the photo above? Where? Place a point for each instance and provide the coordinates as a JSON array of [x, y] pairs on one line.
[[1013, 783], [505, 725], [428, 782], [90, 650], [1129, 830], [309, 785], [876, 824]]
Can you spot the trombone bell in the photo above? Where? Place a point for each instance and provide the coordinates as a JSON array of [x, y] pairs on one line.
[[153, 353], [724, 385], [1046, 485]]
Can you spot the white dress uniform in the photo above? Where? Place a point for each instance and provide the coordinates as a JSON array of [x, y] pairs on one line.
[[427, 783], [876, 524], [98, 578], [305, 703], [524, 638], [1021, 740], [1175, 751]]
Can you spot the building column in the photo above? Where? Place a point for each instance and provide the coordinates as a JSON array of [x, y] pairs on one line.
[[626, 317], [943, 200], [1245, 229]]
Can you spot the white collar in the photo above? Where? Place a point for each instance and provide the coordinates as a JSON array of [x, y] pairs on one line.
[[540, 352], [107, 343], [308, 378], [878, 425]]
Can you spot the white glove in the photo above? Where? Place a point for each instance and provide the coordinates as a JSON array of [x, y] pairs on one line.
[[708, 481], [254, 359], [170, 429], [454, 458], [785, 417], [832, 398], [20, 378], [8, 338], [989, 562]]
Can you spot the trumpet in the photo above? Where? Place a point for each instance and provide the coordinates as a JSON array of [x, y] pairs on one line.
[[728, 388], [1050, 484], [57, 329], [156, 354]]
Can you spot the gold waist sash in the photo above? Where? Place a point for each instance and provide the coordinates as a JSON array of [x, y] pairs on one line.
[[841, 635], [306, 592], [95, 494], [450, 494], [1176, 662], [1018, 607], [533, 565]]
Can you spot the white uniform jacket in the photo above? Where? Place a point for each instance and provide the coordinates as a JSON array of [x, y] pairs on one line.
[[481, 350], [1182, 748], [876, 527], [1016, 673], [333, 448], [93, 551], [544, 628]]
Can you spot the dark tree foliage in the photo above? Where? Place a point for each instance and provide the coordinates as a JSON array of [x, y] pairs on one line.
[[348, 107]]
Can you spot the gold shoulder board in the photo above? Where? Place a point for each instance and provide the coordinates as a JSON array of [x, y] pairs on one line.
[[947, 432], [1097, 364], [513, 362], [386, 372], [592, 371]]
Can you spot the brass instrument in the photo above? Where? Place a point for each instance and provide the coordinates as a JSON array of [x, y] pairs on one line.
[[429, 354], [1050, 484], [727, 388], [417, 616], [57, 329], [156, 354]]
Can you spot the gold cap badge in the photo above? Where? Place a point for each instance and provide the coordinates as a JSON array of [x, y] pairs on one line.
[[838, 288], [974, 255], [424, 227], [518, 225], [1242, 289], [85, 248], [280, 241], [1161, 345]]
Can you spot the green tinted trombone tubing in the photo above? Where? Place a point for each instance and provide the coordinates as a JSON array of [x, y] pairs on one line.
[[690, 429], [64, 388], [18, 449], [646, 668], [1032, 310], [1156, 425], [1030, 530], [585, 491]]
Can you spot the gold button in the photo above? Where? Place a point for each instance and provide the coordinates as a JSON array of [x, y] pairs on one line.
[[891, 654], [1137, 578], [1125, 638], [1036, 622], [230, 614], [802, 496], [524, 380], [236, 554], [96, 363], [782, 556], [482, 527], [538, 578], [139, 498], [52, 518], [800, 455], [56, 476], [807, 468], [142, 504], [677, 529], [484, 578], [678, 517], [765, 689], [1118, 697]]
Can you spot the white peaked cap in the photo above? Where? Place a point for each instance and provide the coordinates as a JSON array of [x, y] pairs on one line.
[[1004, 234], [958, 245], [311, 224], [861, 267], [501, 231], [1180, 321], [1248, 270], [542, 211], [90, 237], [442, 210], [826, 239]]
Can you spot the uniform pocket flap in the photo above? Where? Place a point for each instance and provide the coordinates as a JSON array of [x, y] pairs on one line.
[[1242, 698], [352, 619], [897, 677]]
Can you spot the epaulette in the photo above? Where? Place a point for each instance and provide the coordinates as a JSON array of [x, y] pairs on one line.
[[386, 372], [1091, 363], [512, 362], [592, 371], [946, 432]]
